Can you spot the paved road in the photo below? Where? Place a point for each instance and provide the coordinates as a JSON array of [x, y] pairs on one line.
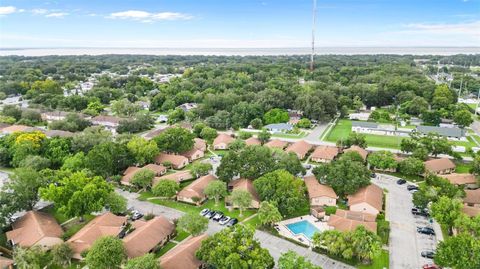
[[405, 243], [317, 132]]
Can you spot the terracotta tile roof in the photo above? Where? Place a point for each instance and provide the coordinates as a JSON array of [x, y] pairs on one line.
[[130, 169], [460, 179], [176, 160], [106, 118], [147, 236], [252, 141], [200, 144], [276, 143], [471, 211], [33, 227], [371, 194], [156, 168], [183, 255], [246, 185], [59, 133], [359, 150], [300, 148], [223, 138], [177, 176], [315, 189], [437, 165], [103, 225], [129, 173], [18, 128], [325, 152], [472, 197], [347, 221], [196, 188], [5, 263]]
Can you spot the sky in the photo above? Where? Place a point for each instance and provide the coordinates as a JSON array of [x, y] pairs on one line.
[[238, 23]]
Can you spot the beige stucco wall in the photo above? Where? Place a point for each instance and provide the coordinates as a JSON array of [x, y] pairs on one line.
[[364, 207], [323, 200]]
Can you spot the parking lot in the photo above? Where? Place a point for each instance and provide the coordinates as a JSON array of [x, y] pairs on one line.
[[406, 243]]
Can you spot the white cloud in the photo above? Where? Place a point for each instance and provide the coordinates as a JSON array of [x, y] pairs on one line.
[[7, 10], [466, 28], [144, 16], [39, 11], [56, 15]]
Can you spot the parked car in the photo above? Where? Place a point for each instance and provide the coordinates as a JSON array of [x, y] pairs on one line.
[[401, 181], [430, 266], [210, 214], [224, 220], [412, 187], [428, 254], [307, 166], [218, 216], [420, 212], [232, 222], [204, 211], [426, 230], [136, 215], [373, 175], [413, 191]]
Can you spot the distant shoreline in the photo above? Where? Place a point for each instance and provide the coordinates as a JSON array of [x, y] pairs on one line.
[[242, 51]]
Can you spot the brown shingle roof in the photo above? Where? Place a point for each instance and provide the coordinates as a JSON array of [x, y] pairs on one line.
[[276, 143], [156, 168], [347, 221], [472, 196], [437, 165], [223, 138], [147, 236], [183, 255], [33, 227], [300, 147], [59, 133], [18, 128], [471, 211], [246, 185], [371, 194], [129, 173], [359, 150], [460, 179], [155, 132], [196, 188], [200, 144], [176, 160], [5, 263], [104, 225], [177, 176], [325, 153], [252, 141], [315, 189]]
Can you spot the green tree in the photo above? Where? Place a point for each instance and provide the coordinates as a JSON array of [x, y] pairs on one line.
[[291, 260], [250, 162], [78, 194], [106, 253], [114, 158], [443, 97], [143, 178], [35, 162], [176, 115], [241, 199], [222, 250], [463, 118], [197, 128], [89, 138], [175, 139], [459, 252], [208, 134], [304, 123], [244, 135], [411, 166], [75, 162], [116, 203], [382, 160], [166, 188], [256, 123], [288, 161], [147, 261], [353, 139], [123, 107], [30, 258], [446, 210], [216, 189], [268, 213], [200, 169], [264, 136], [193, 224], [62, 255], [143, 151], [24, 183], [276, 115]]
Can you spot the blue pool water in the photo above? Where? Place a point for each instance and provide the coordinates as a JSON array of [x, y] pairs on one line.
[[303, 227]]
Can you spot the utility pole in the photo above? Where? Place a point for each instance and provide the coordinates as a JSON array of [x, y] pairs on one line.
[[478, 97], [314, 19]]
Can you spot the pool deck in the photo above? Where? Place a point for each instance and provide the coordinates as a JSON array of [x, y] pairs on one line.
[[301, 238]]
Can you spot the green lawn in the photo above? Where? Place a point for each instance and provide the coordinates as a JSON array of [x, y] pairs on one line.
[[253, 222], [341, 130], [168, 246], [383, 141], [381, 262], [181, 235], [301, 134], [463, 167], [409, 178]]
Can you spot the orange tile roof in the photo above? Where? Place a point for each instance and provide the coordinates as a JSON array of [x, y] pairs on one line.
[[5, 263], [359, 150], [246, 185], [183, 255], [196, 188], [437, 165], [348, 221], [276, 143], [300, 147], [18, 128], [471, 211], [315, 189], [460, 179], [472, 197], [325, 152], [147, 235], [177, 176], [252, 141], [33, 227], [223, 138], [371, 194], [176, 160], [156, 168]]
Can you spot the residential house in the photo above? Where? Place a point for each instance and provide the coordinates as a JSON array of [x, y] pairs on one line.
[[253, 141], [364, 116], [193, 193], [148, 236], [368, 199], [222, 141], [276, 143], [130, 172], [58, 133], [319, 194], [6, 263], [471, 211], [182, 256], [366, 127], [35, 229], [157, 169], [452, 133], [197, 151], [104, 225], [18, 128], [177, 161], [472, 198], [467, 180], [154, 133], [279, 127], [109, 122], [179, 177], [363, 152], [54, 116], [324, 154], [295, 116], [346, 221], [245, 185], [300, 148], [439, 166], [187, 106]]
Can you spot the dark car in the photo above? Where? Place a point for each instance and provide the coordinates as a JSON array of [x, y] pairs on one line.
[[401, 181], [219, 215], [412, 187], [373, 175], [232, 222], [426, 230], [210, 214], [420, 212], [428, 254]]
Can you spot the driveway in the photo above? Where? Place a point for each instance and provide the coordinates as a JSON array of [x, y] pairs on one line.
[[405, 243], [314, 135]]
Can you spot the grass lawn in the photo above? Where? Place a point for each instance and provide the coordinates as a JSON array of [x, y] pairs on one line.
[[341, 130], [463, 167], [168, 246], [253, 222], [188, 208], [70, 228], [383, 141], [409, 178], [382, 261], [181, 235]]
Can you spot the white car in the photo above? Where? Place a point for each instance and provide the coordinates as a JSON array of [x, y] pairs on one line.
[[224, 220]]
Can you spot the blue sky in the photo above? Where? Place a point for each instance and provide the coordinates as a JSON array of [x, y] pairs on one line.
[[238, 23]]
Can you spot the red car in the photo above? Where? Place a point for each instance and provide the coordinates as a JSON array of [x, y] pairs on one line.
[[431, 266]]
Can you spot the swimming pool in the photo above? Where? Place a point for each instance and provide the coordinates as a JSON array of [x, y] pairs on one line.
[[303, 227]]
